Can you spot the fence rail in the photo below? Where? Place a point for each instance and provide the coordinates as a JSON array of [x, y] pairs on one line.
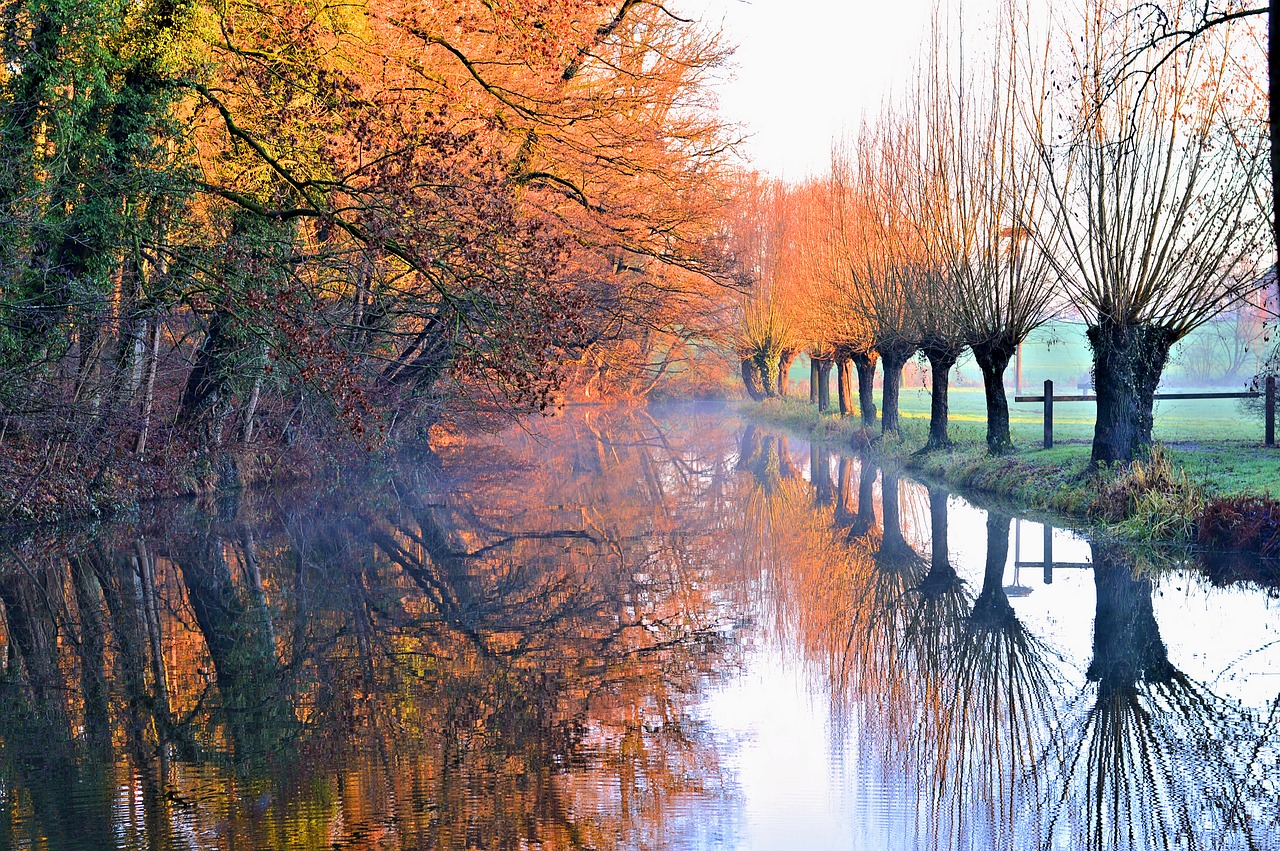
[[1268, 394]]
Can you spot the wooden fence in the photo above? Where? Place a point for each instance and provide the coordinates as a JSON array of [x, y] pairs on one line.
[[1268, 394]]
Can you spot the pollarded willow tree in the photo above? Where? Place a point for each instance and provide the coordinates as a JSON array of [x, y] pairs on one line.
[[930, 209], [1160, 192], [760, 233], [978, 204], [835, 330], [881, 254]]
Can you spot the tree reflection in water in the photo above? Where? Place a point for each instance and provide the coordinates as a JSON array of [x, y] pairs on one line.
[[492, 661], [958, 707], [514, 656], [1149, 757]]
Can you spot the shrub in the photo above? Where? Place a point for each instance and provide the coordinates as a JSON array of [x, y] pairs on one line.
[[1150, 499], [1249, 523]]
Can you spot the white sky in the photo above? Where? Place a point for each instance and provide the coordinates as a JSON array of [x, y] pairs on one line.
[[807, 70]]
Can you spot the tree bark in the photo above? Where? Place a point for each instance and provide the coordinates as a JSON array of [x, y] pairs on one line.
[[149, 389], [1127, 363], [813, 381], [768, 365], [785, 360], [251, 407], [941, 359], [865, 363], [207, 394], [844, 384], [993, 358], [894, 359], [824, 385], [751, 379]]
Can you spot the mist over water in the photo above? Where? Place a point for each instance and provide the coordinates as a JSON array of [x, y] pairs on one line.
[[624, 629]]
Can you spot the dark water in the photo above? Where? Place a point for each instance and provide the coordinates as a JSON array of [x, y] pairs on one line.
[[629, 630]]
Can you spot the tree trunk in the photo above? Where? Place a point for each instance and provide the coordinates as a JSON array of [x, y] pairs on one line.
[[993, 359], [941, 359], [751, 379], [894, 358], [865, 362], [1127, 363], [251, 407], [844, 385], [207, 394], [768, 365], [785, 360], [149, 388], [824, 385], [813, 381]]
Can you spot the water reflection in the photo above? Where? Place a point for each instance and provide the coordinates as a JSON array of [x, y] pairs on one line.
[[520, 645]]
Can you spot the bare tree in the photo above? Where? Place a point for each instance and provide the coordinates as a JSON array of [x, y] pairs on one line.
[[1166, 29], [976, 202], [1158, 189], [930, 203]]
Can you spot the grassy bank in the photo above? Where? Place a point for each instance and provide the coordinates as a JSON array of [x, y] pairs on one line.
[[1208, 452]]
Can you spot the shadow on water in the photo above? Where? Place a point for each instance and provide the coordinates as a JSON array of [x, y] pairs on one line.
[[514, 649]]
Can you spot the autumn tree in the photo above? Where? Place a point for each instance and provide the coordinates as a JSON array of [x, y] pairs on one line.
[[254, 218], [837, 331], [880, 253], [760, 234]]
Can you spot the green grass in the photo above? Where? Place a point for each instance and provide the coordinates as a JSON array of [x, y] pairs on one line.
[[1178, 421]]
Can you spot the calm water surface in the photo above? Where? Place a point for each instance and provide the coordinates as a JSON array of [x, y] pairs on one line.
[[624, 630]]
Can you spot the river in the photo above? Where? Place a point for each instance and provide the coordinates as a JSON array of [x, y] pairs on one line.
[[629, 629]]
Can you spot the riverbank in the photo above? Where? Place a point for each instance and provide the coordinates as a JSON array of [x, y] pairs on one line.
[[54, 488], [1180, 495]]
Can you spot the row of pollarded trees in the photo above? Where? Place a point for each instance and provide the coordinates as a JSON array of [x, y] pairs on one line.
[[1016, 180]]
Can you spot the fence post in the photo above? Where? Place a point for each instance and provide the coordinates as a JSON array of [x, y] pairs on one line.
[[1048, 554], [1048, 413], [1270, 428]]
